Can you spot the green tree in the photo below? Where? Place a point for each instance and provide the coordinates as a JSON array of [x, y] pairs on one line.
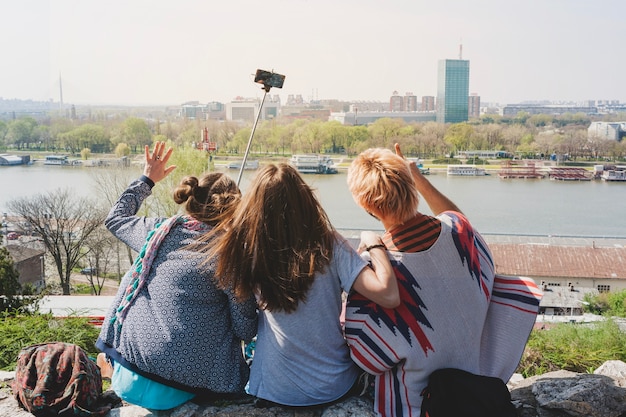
[[460, 136], [3, 134], [21, 132], [136, 133], [224, 134], [312, 137], [357, 140], [239, 141], [9, 281], [90, 136], [337, 135], [617, 303], [262, 140], [521, 117], [57, 128], [431, 140], [121, 150], [539, 120], [491, 135], [288, 135], [384, 132]]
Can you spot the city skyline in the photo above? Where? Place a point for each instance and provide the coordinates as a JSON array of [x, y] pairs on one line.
[[167, 53]]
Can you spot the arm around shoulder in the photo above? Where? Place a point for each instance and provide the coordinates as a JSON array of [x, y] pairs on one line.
[[379, 282]]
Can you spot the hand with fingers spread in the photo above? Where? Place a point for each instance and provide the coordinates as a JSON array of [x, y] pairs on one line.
[[155, 167]]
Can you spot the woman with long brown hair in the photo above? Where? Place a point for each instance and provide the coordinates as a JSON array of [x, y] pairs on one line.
[[281, 247]]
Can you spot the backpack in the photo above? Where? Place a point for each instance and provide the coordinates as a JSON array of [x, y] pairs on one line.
[[58, 379], [457, 393]]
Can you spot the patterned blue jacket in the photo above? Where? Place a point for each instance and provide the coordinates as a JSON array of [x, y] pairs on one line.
[[181, 330]]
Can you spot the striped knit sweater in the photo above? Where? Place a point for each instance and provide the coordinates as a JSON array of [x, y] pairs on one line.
[[455, 313]]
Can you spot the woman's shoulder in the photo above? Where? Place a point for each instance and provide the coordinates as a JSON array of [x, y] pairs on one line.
[[456, 220]]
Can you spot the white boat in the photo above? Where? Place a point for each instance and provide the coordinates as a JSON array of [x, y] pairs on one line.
[[466, 170], [614, 175], [60, 160], [313, 164], [249, 165]]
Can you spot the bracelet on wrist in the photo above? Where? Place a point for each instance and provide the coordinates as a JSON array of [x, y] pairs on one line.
[[378, 245]]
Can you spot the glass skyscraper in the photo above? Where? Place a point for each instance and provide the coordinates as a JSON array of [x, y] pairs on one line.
[[453, 91]]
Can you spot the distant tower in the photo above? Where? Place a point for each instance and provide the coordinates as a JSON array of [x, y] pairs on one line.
[[453, 91], [60, 93]]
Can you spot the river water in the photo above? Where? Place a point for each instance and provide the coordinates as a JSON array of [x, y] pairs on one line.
[[540, 207]]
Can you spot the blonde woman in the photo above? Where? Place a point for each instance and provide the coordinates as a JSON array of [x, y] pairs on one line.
[[455, 312]]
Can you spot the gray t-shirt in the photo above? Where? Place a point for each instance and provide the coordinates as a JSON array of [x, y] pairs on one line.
[[302, 358]]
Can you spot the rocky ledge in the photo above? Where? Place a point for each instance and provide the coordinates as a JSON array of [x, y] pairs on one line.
[[554, 394]]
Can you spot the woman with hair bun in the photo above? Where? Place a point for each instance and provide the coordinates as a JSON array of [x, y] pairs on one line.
[[171, 334]]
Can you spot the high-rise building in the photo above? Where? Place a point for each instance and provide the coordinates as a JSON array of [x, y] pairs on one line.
[[396, 103], [410, 102], [428, 103], [453, 91], [474, 106], [400, 103]]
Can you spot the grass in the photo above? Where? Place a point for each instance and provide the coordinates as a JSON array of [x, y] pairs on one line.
[[22, 331], [574, 347]]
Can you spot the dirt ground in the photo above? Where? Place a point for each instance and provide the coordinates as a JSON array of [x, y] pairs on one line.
[[109, 288]]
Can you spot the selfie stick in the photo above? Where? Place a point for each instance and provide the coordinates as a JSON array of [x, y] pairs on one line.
[[245, 155], [269, 80]]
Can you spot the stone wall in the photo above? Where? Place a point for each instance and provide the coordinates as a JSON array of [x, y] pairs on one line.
[[555, 394]]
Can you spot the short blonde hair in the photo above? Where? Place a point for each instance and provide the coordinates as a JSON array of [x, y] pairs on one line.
[[379, 179]]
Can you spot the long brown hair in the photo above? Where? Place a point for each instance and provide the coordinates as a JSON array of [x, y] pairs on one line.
[[278, 239], [210, 199]]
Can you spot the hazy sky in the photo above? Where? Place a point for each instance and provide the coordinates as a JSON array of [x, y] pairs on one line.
[[172, 51]]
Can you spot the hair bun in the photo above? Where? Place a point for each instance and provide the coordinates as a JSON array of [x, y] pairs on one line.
[[186, 189], [191, 181]]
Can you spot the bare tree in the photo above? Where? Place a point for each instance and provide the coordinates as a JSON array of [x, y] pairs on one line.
[[110, 184], [64, 222], [101, 253]]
